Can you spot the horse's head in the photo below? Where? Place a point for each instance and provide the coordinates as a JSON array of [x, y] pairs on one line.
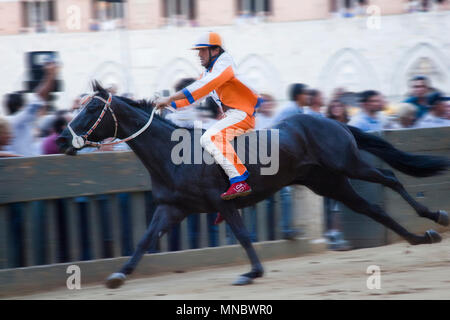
[[95, 122]]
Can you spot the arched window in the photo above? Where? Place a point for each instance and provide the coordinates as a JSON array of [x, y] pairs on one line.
[[425, 66], [423, 59]]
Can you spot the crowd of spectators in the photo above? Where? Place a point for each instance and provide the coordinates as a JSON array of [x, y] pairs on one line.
[[31, 128]]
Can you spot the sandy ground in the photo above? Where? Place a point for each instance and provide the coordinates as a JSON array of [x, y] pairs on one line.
[[407, 272]]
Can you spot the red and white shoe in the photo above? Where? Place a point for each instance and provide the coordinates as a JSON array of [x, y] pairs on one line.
[[238, 189]]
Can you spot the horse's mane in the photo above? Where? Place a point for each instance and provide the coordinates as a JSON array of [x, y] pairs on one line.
[[144, 105]]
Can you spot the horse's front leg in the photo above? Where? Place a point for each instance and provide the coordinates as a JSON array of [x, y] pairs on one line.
[[233, 218], [164, 218]]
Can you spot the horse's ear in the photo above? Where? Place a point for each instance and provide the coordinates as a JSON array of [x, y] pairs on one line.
[[96, 86]]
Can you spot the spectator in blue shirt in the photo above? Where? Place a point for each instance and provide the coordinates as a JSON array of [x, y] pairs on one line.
[[420, 90]]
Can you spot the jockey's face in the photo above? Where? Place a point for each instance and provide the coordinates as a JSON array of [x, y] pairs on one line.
[[203, 54]]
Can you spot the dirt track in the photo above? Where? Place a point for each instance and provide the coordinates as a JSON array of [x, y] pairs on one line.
[[407, 272]]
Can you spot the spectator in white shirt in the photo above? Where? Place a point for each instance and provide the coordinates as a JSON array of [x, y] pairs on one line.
[[436, 117], [370, 118], [298, 99], [22, 118], [406, 116]]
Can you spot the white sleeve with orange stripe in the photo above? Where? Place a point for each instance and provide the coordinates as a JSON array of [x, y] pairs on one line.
[[221, 73]]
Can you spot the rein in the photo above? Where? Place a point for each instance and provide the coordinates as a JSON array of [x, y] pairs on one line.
[[80, 141]]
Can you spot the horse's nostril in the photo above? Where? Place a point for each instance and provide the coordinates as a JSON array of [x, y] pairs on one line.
[[70, 151]]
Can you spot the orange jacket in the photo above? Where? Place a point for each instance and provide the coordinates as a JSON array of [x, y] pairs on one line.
[[222, 79]]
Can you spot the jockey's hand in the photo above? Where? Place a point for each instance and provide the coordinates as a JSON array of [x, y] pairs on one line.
[[162, 102]]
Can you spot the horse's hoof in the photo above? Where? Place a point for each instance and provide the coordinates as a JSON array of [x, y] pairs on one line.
[[242, 281], [115, 280], [443, 218], [433, 236]]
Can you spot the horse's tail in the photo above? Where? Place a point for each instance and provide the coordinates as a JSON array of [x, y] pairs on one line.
[[410, 164]]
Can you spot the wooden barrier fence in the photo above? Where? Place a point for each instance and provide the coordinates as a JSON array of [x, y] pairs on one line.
[[58, 208], [61, 209]]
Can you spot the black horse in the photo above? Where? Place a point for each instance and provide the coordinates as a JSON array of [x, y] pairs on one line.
[[319, 153]]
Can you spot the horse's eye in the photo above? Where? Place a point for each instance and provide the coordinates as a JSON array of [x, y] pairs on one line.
[[90, 109]]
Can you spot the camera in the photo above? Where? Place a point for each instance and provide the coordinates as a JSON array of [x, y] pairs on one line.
[[35, 62]]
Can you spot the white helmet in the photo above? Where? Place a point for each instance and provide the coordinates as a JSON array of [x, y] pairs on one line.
[[209, 39]]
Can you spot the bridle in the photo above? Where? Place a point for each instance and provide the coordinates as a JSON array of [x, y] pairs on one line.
[[81, 141]]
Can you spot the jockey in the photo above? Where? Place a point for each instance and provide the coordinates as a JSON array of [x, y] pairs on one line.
[[221, 81]]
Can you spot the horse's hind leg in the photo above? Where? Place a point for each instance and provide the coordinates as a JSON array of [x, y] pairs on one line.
[[440, 216], [233, 218], [338, 187], [364, 171], [163, 218]]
